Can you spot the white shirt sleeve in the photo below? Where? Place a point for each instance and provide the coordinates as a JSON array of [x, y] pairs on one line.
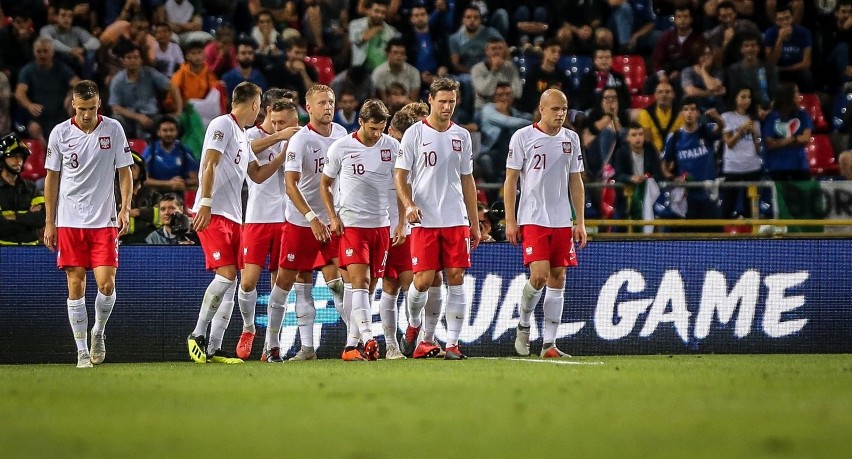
[[577, 156], [333, 160], [295, 153], [408, 149], [216, 134], [123, 155], [53, 158], [515, 158], [467, 154]]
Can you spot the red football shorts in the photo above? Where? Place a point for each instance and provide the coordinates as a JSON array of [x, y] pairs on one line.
[[399, 259], [86, 247], [259, 240], [439, 248], [555, 245], [221, 243], [365, 246], [301, 251]]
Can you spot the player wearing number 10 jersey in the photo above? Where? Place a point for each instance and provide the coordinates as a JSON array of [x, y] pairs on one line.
[[546, 158], [442, 199]]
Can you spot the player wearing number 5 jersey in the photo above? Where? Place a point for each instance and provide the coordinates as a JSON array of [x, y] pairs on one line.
[[360, 167], [441, 197], [546, 158], [83, 155], [226, 159]]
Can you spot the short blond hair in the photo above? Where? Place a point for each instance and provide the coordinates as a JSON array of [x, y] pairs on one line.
[[317, 88]]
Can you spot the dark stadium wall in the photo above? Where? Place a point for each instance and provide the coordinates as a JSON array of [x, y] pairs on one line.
[[675, 297]]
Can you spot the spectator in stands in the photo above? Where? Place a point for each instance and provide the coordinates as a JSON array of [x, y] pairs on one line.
[[689, 155], [167, 54], [396, 70], [142, 205], [370, 35], [789, 46], [170, 165], [220, 55], [294, 73], [674, 49], [632, 23], [837, 45], [5, 103], [325, 23], [467, 48], [81, 12], [729, 25], [427, 45], [703, 80], [170, 207], [547, 75], [601, 76], [347, 110], [184, 18], [741, 159], [42, 91], [634, 161], [581, 18], [661, 118], [358, 79], [133, 95], [604, 127], [246, 70], [110, 12], [786, 131], [500, 119], [396, 97], [484, 223], [751, 72], [194, 79], [123, 35], [284, 12], [270, 43], [74, 45], [21, 204], [16, 47], [494, 69]]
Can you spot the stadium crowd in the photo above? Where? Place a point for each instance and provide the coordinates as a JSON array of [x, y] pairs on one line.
[[676, 91]]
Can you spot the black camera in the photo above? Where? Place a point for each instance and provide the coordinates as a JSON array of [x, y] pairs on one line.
[[497, 215], [180, 224]]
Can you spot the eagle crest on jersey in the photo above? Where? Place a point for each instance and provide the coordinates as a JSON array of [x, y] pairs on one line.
[[566, 148], [386, 155], [218, 135], [105, 143], [457, 145]]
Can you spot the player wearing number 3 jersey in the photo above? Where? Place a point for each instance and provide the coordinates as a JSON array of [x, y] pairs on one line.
[[546, 158]]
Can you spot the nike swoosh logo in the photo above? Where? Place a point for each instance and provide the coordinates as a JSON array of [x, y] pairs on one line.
[[301, 316], [459, 318], [355, 156], [537, 146], [72, 146], [318, 149], [425, 144]]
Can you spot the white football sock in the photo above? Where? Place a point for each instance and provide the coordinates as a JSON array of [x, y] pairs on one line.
[[361, 314], [79, 321], [221, 320], [277, 309], [336, 287], [529, 300], [306, 312], [432, 313], [416, 302], [456, 305], [388, 313], [553, 302], [103, 309], [346, 309], [212, 299], [248, 303]]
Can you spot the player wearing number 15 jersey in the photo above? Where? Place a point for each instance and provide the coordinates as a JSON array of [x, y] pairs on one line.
[[546, 158], [83, 155], [441, 197]]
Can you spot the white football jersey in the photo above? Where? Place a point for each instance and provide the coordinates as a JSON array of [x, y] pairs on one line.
[[436, 161], [225, 135], [544, 162], [87, 165], [363, 175], [306, 154], [267, 201]]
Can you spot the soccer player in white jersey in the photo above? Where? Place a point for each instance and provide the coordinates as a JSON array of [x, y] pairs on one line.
[[83, 154], [360, 167], [226, 159], [306, 243], [264, 222], [442, 199], [546, 157]]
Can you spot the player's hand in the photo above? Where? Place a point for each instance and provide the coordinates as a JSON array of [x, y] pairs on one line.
[[398, 236], [475, 236], [513, 234], [286, 133], [123, 221], [413, 214], [320, 231], [335, 225], [50, 236], [580, 236], [201, 219]]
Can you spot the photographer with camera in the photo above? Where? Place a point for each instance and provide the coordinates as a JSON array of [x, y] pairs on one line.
[[176, 224]]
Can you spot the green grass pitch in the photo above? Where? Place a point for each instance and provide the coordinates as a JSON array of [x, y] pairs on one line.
[[631, 406]]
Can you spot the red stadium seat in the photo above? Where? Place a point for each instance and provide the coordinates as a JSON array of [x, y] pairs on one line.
[[632, 66], [821, 156], [323, 66], [138, 146], [34, 166], [641, 100], [811, 103]]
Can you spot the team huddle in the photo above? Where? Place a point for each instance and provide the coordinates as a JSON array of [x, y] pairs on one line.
[[360, 207]]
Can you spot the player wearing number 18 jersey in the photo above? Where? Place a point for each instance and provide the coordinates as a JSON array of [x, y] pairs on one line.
[[442, 198], [546, 158]]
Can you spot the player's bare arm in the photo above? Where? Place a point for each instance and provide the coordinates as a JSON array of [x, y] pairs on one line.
[[51, 188], [335, 225], [125, 183], [578, 200], [412, 212], [469, 194], [267, 141], [291, 180], [510, 189], [259, 174], [399, 231], [202, 218]]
